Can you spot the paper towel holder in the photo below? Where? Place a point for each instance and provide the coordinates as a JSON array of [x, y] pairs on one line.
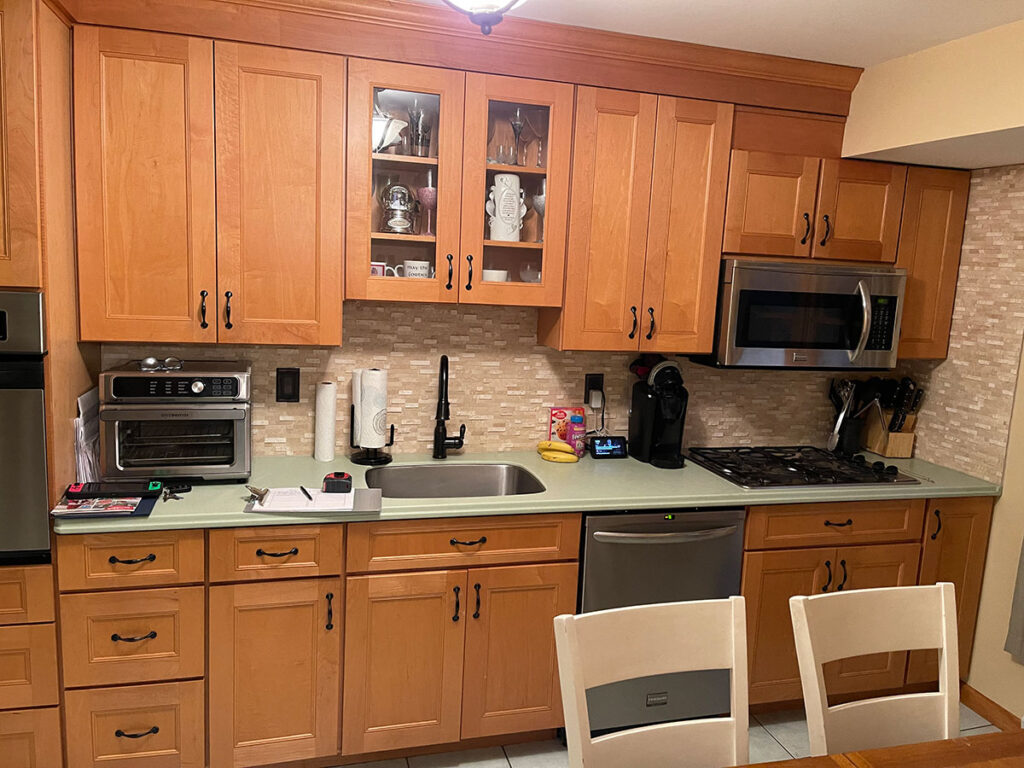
[[370, 457]]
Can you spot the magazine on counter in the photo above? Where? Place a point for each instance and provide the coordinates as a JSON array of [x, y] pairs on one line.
[[97, 507]]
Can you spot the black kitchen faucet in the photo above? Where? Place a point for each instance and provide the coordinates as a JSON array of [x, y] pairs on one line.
[[441, 440]]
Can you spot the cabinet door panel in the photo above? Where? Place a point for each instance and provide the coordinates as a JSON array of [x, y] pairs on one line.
[[275, 653], [888, 565], [510, 683], [145, 185], [863, 202], [28, 666], [769, 580], [30, 738], [954, 551], [26, 594], [280, 135], [934, 210], [691, 171], [403, 660], [611, 191], [770, 205]]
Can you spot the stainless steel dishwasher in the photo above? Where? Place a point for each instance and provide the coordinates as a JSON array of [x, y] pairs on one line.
[[660, 557]]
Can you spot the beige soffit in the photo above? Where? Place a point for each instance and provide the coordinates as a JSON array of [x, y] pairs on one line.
[[959, 104]]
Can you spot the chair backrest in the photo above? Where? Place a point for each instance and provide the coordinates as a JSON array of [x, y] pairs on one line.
[[628, 643], [839, 625]]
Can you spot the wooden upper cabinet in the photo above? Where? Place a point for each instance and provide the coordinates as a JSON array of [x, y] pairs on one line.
[[932, 232], [613, 162], [274, 671], [430, 169], [144, 176], [955, 544], [858, 211], [403, 660], [526, 267], [20, 264], [691, 171], [280, 176], [770, 208]]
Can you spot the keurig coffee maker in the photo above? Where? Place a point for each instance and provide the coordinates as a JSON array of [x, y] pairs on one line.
[[657, 414]]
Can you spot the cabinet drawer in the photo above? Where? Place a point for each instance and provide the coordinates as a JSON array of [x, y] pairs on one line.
[[784, 526], [30, 738], [26, 594], [414, 544], [28, 666], [125, 560], [139, 636], [275, 552], [143, 726]]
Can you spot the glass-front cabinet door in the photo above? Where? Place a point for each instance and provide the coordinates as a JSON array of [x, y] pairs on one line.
[[515, 190], [405, 162]]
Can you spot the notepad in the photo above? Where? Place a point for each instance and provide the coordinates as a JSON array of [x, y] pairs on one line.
[[294, 500]]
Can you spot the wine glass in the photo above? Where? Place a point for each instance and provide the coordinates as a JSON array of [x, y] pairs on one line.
[[427, 195]]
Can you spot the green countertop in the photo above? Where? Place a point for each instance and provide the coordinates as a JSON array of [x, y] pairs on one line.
[[588, 486]]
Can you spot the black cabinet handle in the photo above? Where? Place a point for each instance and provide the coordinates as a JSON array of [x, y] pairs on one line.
[[807, 230], [451, 272], [829, 523], [846, 575], [202, 309], [828, 229], [828, 583], [938, 527], [147, 559], [457, 543], [227, 310], [330, 612], [118, 639], [632, 333], [476, 613], [122, 735], [469, 281], [292, 551], [456, 590], [650, 332]]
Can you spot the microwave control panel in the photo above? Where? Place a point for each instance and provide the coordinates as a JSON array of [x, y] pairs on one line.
[[184, 387], [883, 322]]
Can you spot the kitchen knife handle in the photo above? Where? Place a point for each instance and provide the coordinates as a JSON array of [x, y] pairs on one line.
[[476, 613], [330, 612], [469, 281], [262, 553], [938, 527], [828, 582], [828, 229], [114, 560], [846, 575], [650, 332], [202, 310], [807, 230], [456, 590], [632, 333], [451, 272], [227, 310], [849, 521]]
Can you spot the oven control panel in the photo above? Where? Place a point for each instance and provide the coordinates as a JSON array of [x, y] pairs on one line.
[[183, 387], [883, 321]]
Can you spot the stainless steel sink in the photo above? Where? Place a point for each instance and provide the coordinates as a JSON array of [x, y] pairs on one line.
[[439, 481]]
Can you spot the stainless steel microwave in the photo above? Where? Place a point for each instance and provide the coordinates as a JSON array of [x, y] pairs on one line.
[[808, 315]]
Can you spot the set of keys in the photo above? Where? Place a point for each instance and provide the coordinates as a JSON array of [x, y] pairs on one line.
[[174, 491]]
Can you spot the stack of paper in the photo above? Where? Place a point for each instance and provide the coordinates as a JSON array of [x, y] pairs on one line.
[[294, 500]]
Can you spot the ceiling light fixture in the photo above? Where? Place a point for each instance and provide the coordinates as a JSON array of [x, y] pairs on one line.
[[484, 13]]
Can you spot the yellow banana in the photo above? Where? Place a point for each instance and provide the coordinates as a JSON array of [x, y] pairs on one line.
[[559, 457], [554, 445]]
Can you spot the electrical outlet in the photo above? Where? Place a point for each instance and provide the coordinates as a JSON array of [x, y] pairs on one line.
[[592, 382]]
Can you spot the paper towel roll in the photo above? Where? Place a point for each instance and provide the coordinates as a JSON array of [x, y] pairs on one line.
[[373, 410], [326, 411], [357, 405]]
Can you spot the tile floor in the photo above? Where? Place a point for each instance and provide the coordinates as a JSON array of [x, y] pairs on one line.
[[773, 736]]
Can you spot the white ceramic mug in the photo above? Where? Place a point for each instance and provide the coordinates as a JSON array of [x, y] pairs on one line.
[[398, 271], [419, 269], [495, 275]]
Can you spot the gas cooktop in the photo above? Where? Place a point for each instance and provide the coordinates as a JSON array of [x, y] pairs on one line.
[[771, 467]]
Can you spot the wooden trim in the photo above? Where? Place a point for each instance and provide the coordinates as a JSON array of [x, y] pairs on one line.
[[1001, 718], [421, 34], [790, 133]]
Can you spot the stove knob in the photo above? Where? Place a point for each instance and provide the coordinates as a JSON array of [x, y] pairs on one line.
[[198, 386], [878, 466], [892, 470]]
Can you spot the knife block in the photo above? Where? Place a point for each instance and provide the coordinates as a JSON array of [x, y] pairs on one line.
[[894, 445]]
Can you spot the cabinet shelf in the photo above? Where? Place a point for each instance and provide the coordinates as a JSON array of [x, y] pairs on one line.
[[520, 244], [527, 170], [393, 236], [404, 159]]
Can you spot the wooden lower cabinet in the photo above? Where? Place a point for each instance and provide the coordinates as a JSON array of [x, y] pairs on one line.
[[510, 679], [30, 738], [141, 726], [274, 671], [955, 545], [28, 666]]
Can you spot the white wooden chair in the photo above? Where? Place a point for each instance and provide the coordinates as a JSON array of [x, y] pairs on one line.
[[628, 643], [844, 624]]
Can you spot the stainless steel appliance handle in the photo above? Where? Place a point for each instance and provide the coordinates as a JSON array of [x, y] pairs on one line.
[[865, 330], [617, 537]]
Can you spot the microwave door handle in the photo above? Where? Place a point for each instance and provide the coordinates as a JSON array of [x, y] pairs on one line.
[[865, 331], [616, 537]]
